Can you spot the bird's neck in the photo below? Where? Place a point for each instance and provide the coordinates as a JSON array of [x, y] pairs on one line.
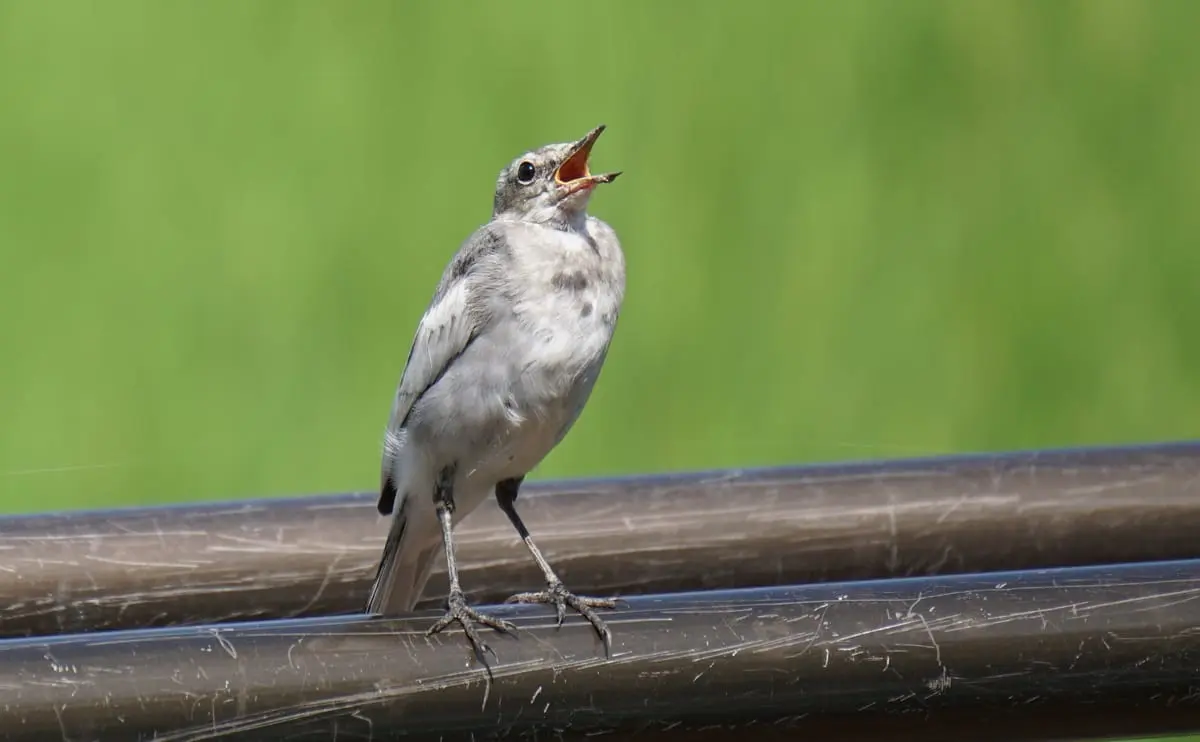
[[570, 221], [560, 219]]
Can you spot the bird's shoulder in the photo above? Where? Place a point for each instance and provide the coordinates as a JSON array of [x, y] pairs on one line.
[[600, 229], [604, 237], [457, 313], [483, 252]]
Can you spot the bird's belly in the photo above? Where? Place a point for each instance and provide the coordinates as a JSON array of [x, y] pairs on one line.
[[512, 397], [528, 442], [540, 408]]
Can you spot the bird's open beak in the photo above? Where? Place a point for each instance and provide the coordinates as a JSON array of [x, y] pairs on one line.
[[573, 173]]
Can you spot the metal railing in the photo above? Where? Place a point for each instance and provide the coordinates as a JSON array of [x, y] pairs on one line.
[[1039, 595]]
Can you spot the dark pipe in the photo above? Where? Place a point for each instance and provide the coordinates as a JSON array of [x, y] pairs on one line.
[[131, 568], [1074, 653]]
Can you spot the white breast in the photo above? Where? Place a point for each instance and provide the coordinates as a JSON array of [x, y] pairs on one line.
[[565, 299]]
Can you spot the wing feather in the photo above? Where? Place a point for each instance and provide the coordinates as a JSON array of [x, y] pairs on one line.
[[454, 318]]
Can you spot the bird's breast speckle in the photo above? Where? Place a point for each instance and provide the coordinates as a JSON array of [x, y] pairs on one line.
[[570, 280]]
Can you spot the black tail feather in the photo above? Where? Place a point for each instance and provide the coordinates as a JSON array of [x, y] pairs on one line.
[[387, 496]]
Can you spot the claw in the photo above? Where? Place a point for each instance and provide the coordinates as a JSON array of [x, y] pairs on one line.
[[558, 596], [457, 611]]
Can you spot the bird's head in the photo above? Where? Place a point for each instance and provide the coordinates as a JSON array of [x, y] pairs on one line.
[[551, 184]]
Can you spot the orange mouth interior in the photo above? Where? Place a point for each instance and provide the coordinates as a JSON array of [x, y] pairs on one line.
[[575, 168]]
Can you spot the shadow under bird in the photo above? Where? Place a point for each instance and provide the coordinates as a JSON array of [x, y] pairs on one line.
[[503, 362]]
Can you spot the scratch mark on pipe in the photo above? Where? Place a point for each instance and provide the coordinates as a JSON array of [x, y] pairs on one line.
[[225, 643]]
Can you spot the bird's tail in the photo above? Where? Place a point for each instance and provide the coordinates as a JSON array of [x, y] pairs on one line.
[[405, 566]]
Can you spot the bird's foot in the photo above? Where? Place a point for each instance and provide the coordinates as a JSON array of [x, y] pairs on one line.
[[559, 597], [458, 611]]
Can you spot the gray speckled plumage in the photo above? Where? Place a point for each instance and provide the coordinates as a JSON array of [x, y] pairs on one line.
[[504, 359]]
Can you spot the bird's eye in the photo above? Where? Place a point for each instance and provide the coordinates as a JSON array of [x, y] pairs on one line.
[[525, 172]]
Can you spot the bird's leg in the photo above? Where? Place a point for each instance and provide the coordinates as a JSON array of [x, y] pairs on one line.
[[555, 594], [457, 609]]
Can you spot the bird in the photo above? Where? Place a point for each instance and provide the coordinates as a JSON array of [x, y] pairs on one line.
[[502, 363]]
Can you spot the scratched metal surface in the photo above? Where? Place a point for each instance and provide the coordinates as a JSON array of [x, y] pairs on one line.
[[316, 555], [1073, 653]]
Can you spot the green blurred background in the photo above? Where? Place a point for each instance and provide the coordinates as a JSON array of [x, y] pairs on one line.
[[853, 230]]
